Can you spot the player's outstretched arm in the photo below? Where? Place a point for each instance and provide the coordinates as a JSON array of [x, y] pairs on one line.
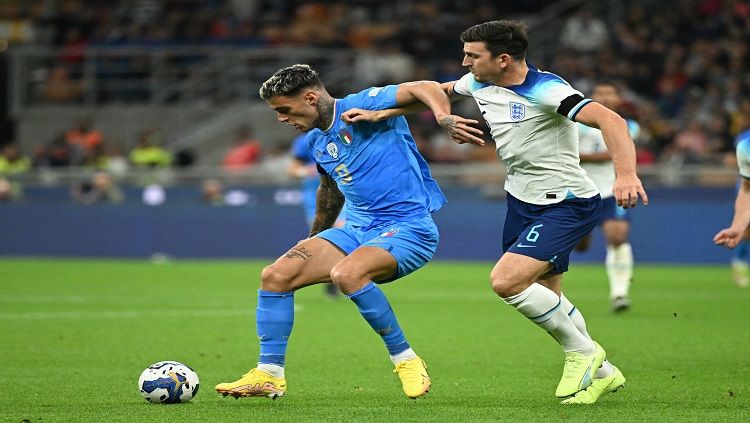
[[413, 97], [732, 235], [328, 204], [627, 187]]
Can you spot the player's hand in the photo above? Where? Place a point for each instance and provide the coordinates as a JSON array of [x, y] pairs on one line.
[[728, 237], [460, 129], [360, 115], [627, 189]]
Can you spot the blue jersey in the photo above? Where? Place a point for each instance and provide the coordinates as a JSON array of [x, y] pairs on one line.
[[376, 165], [309, 183]]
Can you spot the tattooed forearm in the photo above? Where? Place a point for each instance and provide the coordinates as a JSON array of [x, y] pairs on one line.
[[328, 205], [299, 252]]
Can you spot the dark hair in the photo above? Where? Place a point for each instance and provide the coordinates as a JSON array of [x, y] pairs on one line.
[[509, 37], [289, 80], [606, 83]]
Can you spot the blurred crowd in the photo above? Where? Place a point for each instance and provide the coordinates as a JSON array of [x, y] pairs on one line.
[[684, 66]]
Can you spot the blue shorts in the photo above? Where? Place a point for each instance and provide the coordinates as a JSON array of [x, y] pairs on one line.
[[611, 211], [549, 232], [411, 242]]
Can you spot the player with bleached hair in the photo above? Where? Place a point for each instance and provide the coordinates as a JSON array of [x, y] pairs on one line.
[[389, 232], [552, 204]]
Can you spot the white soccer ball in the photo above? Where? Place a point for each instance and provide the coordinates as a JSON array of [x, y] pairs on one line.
[[168, 382]]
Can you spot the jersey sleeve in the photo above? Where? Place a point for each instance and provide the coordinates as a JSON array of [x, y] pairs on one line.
[[375, 98], [634, 128], [555, 95], [464, 85], [300, 149], [743, 158]]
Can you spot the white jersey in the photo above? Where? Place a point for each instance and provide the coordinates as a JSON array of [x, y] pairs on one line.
[[592, 142], [535, 136]]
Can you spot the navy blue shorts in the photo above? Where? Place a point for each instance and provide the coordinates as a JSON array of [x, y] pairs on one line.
[[611, 211], [412, 242], [549, 232]]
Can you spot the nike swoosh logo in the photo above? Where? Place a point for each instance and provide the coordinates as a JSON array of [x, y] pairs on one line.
[[525, 246], [482, 104]]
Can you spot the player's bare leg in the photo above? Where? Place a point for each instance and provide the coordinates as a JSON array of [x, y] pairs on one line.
[[515, 279], [354, 275], [307, 263]]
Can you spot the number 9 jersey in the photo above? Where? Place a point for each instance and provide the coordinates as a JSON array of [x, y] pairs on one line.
[[376, 165]]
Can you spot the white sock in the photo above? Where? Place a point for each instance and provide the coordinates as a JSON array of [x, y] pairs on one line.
[[404, 355], [543, 307], [619, 264], [272, 369], [576, 316]]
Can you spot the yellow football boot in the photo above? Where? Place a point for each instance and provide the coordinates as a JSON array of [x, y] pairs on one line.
[[579, 371], [255, 383], [414, 379], [598, 388]]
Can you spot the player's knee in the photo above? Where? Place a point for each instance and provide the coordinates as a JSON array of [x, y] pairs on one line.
[[618, 239], [507, 282], [347, 278], [500, 283], [274, 280]]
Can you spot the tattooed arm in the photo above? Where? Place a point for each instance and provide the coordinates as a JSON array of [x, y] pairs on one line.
[[328, 204]]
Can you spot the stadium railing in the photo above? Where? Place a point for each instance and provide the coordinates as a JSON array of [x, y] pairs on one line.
[[163, 75]]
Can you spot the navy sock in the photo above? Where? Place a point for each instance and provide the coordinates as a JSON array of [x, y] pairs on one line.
[[376, 309], [274, 319]]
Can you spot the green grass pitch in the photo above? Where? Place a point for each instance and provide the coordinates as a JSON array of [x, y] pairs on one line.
[[75, 335]]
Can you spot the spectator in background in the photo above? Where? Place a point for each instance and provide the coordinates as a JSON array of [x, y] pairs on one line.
[[60, 87], [108, 157], [149, 151], [691, 143], [99, 189], [383, 64], [245, 151], [83, 140], [57, 153], [584, 32], [212, 192], [12, 161], [9, 191]]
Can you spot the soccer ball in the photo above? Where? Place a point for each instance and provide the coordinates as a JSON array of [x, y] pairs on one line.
[[168, 382]]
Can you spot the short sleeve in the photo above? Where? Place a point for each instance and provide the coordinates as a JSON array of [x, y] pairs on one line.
[[463, 86], [634, 128], [375, 98], [556, 95], [743, 158], [300, 149]]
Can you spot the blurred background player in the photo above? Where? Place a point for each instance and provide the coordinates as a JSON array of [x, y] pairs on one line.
[[737, 234], [303, 167], [597, 162], [389, 231]]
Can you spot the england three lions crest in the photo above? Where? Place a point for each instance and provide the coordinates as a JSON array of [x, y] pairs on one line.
[[517, 111]]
